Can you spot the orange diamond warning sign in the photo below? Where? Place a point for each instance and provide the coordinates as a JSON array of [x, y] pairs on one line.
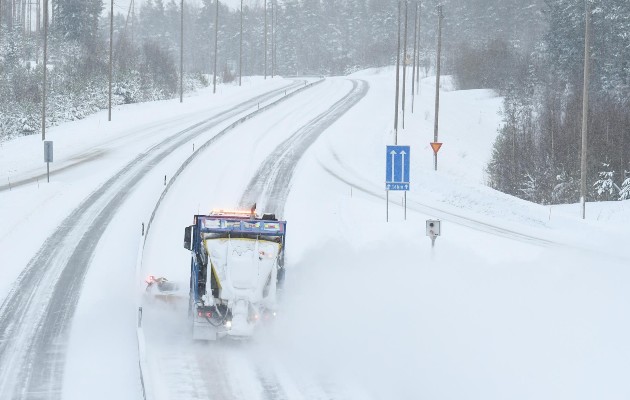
[[436, 147]]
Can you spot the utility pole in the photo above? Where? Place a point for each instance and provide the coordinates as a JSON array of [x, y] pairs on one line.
[[240, 51], [111, 55], [273, 39], [587, 57], [181, 57], [133, 21], [397, 79], [404, 87], [413, 73], [437, 83], [29, 18], [45, 69], [265, 39], [124, 32], [418, 52], [216, 46]]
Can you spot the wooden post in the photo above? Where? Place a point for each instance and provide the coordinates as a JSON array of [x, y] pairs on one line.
[[181, 57], [413, 73], [133, 21], [216, 45], [418, 52], [397, 79], [240, 51], [45, 69], [437, 84], [587, 57], [273, 38], [111, 57], [404, 85], [265, 30]]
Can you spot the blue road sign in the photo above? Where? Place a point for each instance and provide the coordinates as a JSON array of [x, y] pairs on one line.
[[397, 167]]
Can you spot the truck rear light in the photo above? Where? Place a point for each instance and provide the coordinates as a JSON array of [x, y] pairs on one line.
[[209, 314]]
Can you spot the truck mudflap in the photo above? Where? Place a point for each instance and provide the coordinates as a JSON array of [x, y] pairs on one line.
[[203, 330]]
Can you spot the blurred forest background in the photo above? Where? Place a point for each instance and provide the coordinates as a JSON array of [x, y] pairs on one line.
[[530, 51]]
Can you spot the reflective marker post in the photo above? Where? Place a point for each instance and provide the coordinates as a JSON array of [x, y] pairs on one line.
[[387, 202], [48, 156], [433, 230]]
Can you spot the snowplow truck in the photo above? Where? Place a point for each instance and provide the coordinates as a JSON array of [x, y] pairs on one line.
[[236, 268]]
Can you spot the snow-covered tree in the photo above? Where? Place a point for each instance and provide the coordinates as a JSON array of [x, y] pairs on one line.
[[567, 188], [605, 185], [77, 19]]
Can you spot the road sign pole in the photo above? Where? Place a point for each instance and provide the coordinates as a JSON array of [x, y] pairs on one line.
[[436, 146], [437, 82], [387, 206], [397, 172], [583, 162], [48, 157]]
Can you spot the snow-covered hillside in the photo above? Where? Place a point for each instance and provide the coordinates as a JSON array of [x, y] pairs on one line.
[[515, 301]]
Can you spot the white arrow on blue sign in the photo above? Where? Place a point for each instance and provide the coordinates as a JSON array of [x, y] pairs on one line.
[[397, 167]]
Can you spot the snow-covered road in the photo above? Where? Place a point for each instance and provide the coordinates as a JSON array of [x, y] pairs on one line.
[[36, 315], [515, 301], [266, 182]]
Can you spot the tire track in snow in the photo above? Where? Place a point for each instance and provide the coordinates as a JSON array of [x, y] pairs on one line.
[[277, 174], [271, 387], [36, 315], [270, 187]]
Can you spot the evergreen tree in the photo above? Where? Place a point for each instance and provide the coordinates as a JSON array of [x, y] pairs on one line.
[[78, 19], [605, 185]]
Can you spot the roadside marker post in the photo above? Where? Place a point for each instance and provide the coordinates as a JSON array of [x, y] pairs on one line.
[[397, 167], [434, 229], [48, 156]]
